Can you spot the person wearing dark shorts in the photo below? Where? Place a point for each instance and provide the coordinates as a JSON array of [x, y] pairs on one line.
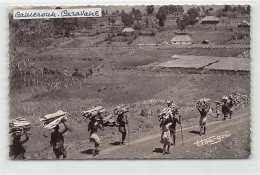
[[122, 121], [93, 127], [16, 149], [57, 141]]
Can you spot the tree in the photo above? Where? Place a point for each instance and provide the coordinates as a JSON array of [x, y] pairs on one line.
[[138, 15], [122, 13], [117, 13], [172, 9], [161, 14], [193, 13], [220, 13], [67, 24], [234, 9], [127, 19], [103, 12], [248, 9], [227, 8], [113, 21], [149, 9], [180, 10], [161, 22], [137, 25], [182, 23]]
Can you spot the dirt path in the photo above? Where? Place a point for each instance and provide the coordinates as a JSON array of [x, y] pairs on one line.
[[149, 147]]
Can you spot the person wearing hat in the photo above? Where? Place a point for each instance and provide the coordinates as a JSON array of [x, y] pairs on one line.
[[57, 140], [122, 122], [16, 149], [227, 107]]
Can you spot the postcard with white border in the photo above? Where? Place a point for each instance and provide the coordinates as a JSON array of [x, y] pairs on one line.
[[129, 82]]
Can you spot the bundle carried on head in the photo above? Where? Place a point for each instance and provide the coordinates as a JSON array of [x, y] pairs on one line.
[[239, 99], [52, 120], [123, 108], [165, 114], [18, 125], [95, 111], [203, 103], [224, 99], [110, 120]]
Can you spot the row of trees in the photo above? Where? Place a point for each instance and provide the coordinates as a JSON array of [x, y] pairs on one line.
[[233, 11], [135, 15], [188, 18]]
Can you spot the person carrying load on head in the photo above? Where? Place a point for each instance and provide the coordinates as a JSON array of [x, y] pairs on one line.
[[165, 114], [227, 107], [173, 116], [93, 127], [57, 140], [204, 109], [230, 105], [16, 149], [122, 122]]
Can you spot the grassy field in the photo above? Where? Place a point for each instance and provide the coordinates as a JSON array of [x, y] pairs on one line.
[[109, 91], [115, 78]]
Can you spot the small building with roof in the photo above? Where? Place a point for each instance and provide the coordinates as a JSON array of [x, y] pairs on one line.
[[210, 20], [182, 40], [128, 31]]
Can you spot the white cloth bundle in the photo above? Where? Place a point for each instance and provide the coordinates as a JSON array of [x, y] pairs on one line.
[[93, 112], [122, 108], [224, 99], [18, 125], [52, 120], [55, 122], [53, 116], [110, 120]]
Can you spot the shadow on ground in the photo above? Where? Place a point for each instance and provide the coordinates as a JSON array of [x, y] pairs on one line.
[[194, 132], [88, 151], [115, 143], [158, 150]]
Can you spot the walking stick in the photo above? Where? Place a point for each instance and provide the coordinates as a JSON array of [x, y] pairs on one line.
[[181, 130], [127, 130]]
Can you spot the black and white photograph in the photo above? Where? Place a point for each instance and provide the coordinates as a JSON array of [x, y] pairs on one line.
[[129, 82]]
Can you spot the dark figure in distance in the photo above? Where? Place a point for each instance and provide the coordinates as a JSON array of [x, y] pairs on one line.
[[122, 121]]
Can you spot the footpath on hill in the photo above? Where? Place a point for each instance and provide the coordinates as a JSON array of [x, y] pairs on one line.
[[224, 139]]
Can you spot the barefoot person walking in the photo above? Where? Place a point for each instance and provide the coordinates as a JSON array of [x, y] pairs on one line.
[[17, 150], [166, 138], [122, 122], [173, 125], [93, 127], [204, 109], [57, 140]]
